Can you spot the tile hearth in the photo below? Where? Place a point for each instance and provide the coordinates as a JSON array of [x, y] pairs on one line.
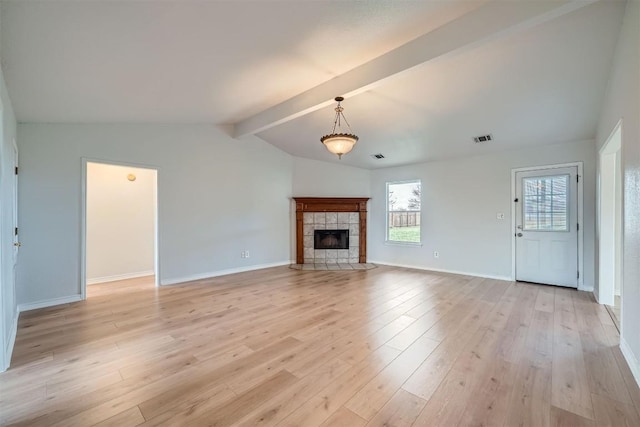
[[332, 266]]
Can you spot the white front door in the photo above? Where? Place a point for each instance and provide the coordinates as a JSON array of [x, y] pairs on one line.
[[547, 226]]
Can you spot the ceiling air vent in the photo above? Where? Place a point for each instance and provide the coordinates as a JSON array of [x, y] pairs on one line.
[[378, 156], [482, 138]]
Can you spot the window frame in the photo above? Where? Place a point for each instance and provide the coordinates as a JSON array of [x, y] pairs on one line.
[[387, 240]]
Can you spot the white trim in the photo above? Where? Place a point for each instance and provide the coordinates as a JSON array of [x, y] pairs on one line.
[[4, 363], [15, 237], [386, 210], [49, 303], [580, 166], [442, 270], [608, 149], [83, 219], [632, 360], [83, 230], [406, 244], [116, 277], [8, 351], [201, 276], [604, 147]]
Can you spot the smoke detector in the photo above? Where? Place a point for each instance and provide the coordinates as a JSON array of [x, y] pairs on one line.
[[482, 138]]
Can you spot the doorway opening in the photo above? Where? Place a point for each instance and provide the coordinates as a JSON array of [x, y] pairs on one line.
[[610, 224], [546, 214], [119, 227]]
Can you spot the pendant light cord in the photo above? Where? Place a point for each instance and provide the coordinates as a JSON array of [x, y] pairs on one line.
[[338, 121]]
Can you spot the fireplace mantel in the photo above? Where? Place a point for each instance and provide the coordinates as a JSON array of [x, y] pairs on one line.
[[331, 204]]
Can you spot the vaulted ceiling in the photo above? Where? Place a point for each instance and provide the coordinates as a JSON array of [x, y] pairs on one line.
[[420, 78]]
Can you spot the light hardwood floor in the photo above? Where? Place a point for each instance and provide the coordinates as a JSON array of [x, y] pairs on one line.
[[384, 347]]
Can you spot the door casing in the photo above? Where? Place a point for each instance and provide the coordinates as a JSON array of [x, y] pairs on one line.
[[609, 218]]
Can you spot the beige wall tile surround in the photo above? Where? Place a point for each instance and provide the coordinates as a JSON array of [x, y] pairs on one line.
[[331, 221]]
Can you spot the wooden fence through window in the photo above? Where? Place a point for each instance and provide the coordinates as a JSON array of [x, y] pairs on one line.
[[404, 219]]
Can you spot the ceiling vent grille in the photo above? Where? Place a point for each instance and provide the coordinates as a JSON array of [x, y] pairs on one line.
[[482, 138], [378, 156]]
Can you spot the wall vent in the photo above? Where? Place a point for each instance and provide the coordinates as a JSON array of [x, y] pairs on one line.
[[378, 156], [482, 138]]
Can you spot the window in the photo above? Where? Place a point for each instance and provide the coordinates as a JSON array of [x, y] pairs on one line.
[[545, 203], [404, 200]]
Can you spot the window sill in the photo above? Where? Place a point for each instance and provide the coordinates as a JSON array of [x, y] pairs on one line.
[[393, 243]]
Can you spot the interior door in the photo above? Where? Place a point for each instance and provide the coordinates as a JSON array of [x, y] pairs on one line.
[[16, 239], [547, 226]]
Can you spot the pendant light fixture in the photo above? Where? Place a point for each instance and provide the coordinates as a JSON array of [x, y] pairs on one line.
[[339, 143]]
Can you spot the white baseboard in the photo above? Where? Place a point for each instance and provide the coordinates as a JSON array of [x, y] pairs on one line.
[[8, 351], [587, 289], [631, 359], [440, 270], [116, 277], [201, 276], [48, 303]]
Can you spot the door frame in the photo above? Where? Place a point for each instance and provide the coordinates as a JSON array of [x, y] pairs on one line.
[[605, 150], [580, 167], [4, 364], [16, 225], [83, 222]]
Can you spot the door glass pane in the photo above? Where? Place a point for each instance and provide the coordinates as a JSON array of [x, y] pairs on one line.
[[545, 203]]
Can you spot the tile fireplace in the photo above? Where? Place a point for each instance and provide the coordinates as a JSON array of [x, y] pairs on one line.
[[331, 230]]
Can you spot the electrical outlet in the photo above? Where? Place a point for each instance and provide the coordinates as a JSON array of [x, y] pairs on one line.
[[246, 254], [499, 215], [436, 254], [242, 254]]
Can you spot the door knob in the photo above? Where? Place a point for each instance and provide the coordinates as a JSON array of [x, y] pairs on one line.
[[18, 244], [519, 234]]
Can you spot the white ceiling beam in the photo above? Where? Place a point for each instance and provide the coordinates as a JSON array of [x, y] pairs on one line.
[[490, 21]]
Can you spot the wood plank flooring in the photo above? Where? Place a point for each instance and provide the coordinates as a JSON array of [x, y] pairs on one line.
[[383, 347]]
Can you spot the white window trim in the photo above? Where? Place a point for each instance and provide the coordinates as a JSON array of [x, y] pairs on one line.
[[386, 210]]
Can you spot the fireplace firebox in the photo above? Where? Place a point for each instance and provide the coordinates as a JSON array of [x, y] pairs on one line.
[[331, 239]]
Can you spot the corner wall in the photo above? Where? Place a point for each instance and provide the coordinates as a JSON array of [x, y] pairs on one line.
[[460, 200], [623, 102], [216, 197], [313, 178]]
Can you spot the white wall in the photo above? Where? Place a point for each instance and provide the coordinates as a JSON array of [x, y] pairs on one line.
[[8, 310], [312, 178], [216, 197], [623, 101], [120, 222], [460, 200]]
